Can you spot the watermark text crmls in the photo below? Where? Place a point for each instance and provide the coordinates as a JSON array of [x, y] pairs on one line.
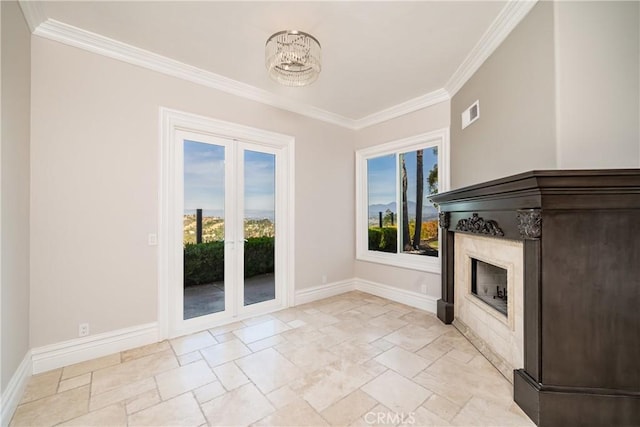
[[393, 418]]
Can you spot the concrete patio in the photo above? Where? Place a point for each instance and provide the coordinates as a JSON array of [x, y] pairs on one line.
[[206, 299]]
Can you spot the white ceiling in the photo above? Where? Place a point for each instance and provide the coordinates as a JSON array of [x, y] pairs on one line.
[[375, 54]]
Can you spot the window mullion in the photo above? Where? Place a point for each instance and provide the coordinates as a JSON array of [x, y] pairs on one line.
[[399, 211]]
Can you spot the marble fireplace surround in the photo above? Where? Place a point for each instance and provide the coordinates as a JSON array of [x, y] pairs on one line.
[[499, 338]]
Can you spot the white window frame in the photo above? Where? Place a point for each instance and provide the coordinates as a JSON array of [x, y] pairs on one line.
[[438, 138]]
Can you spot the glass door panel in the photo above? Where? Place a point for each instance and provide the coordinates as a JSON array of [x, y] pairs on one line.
[[220, 208], [203, 229], [259, 226]]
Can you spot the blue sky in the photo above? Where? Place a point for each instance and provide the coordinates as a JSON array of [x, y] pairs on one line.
[[204, 178], [382, 172]]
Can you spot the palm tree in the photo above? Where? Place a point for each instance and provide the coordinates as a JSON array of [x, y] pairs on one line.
[[419, 198], [406, 243], [433, 175]]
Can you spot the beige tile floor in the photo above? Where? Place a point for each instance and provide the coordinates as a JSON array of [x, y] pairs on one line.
[[353, 359]]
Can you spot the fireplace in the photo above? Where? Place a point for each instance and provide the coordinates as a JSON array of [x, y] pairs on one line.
[[493, 325], [569, 242], [489, 284]]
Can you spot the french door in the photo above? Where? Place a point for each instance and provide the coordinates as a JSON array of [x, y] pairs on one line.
[[228, 222]]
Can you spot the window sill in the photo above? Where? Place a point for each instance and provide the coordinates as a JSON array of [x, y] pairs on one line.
[[412, 262]]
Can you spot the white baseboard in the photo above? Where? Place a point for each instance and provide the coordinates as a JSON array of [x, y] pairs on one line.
[[79, 350], [67, 353], [403, 296], [12, 394], [304, 296], [410, 298]]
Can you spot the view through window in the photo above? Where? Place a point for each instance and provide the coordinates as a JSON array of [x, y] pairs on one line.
[[396, 223], [205, 226], [401, 219]]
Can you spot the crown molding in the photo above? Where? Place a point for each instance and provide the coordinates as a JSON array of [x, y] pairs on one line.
[[508, 18], [505, 22], [96, 43], [415, 104], [33, 13]]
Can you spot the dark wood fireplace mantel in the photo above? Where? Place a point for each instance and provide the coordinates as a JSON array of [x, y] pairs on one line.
[[581, 235]]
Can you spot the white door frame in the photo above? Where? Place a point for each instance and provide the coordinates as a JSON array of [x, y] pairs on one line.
[[172, 123]]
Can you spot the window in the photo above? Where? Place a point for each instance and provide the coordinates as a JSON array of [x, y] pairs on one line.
[[396, 222]]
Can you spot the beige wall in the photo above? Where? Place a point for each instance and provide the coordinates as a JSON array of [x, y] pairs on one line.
[[15, 80], [95, 145], [515, 87], [428, 119], [598, 59], [562, 91], [95, 152]]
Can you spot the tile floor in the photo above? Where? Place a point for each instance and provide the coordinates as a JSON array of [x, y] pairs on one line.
[[353, 359]]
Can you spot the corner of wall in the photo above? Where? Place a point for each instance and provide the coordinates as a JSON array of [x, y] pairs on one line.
[[515, 87], [413, 299], [556, 97], [15, 71], [12, 394], [2, 390]]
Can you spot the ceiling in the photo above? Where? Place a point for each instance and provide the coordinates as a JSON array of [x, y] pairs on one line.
[[375, 55]]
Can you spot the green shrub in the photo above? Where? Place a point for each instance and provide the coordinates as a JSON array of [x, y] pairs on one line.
[[375, 236], [383, 239], [389, 242], [204, 262], [258, 256]]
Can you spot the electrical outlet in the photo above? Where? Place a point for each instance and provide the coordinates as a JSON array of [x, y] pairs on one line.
[[324, 279], [423, 288], [83, 329]]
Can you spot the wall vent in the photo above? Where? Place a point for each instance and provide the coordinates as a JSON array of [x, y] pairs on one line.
[[471, 114]]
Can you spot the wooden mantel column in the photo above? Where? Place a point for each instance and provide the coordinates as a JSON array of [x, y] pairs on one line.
[[445, 304]]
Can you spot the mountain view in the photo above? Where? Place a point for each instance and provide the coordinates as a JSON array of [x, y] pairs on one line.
[[428, 212]]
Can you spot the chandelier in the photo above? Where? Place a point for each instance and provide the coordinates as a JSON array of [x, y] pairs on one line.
[[293, 58]]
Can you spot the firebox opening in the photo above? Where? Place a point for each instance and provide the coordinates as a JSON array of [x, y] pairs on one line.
[[489, 284]]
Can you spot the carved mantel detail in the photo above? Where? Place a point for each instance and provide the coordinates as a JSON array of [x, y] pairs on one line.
[[530, 223], [443, 220], [479, 225]]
